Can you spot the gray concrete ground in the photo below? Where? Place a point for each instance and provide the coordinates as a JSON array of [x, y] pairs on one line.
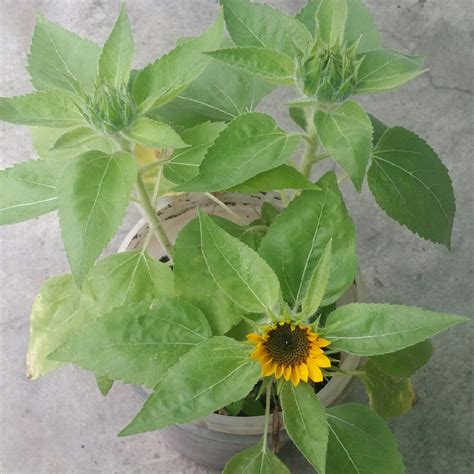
[[61, 424]]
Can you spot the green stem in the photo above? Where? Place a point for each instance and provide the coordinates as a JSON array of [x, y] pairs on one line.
[[267, 415], [311, 144], [153, 220]]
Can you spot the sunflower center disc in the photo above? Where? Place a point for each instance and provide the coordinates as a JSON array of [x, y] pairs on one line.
[[288, 347]]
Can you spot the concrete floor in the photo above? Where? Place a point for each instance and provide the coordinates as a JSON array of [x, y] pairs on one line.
[[61, 424]]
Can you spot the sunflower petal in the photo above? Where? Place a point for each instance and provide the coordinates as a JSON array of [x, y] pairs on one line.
[[268, 369], [303, 370], [322, 342], [254, 337], [322, 360], [287, 373], [279, 371], [295, 376], [315, 373]]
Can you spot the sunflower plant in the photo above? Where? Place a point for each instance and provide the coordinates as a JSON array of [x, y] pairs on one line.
[[242, 320]]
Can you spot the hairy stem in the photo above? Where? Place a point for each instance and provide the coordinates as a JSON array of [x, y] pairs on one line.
[[267, 415], [150, 214]]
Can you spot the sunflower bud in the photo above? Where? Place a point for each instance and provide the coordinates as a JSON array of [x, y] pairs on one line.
[[329, 74], [110, 110]]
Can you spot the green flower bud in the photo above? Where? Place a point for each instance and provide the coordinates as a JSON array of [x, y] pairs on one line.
[[329, 74], [110, 110]]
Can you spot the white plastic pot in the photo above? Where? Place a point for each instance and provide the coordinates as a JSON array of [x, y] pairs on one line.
[[213, 440]]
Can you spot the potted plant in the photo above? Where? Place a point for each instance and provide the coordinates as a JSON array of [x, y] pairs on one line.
[[238, 313]]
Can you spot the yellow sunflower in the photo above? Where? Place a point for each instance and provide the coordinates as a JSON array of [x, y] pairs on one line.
[[291, 351]]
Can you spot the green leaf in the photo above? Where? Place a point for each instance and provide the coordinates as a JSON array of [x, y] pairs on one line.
[[219, 94], [318, 283], [45, 139], [359, 24], [346, 133], [27, 190], [389, 396], [298, 116], [215, 373], [252, 143], [373, 329], [46, 108], [137, 343], [58, 312], [234, 408], [330, 21], [360, 442], [379, 129], [411, 184], [383, 70], [104, 384], [155, 134], [283, 177], [59, 59], [255, 460], [268, 64], [238, 270], [93, 195], [115, 61], [169, 75], [184, 164], [406, 362], [194, 283], [269, 213], [305, 422], [254, 24], [127, 277], [75, 138], [296, 241]]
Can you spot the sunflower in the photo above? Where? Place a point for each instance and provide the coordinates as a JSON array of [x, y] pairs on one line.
[[290, 351]]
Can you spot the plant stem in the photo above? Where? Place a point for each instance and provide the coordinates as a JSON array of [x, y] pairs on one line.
[[153, 220], [225, 207], [311, 145], [267, 415]]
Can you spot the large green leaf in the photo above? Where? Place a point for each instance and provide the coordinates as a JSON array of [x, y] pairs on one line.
[[346, 133], [59, 59], [406, 362], [318, 283], [238, 270], [27, 190], [411, 184], [296, 241], [58, 312], [282, 177], [152, 133], [383, 70], [305, 422], [389, 396], [255, 460], [219, 94], [379, 129], [268, 64], [254, 24], [127, 277], [373, 329], [93, 195], [46, 108], [359, 23], [136, 343], [359, 442], [194, 282], [215, 373], [115, 61], [331, 18], [184, 163], [169, 75], [251, 144]]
